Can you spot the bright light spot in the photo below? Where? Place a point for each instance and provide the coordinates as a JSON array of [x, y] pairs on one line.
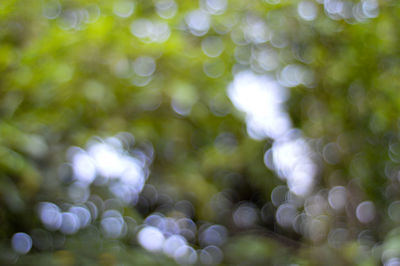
[[166, 8], [215, 7], [21, 243], [123, 8], [70, 223], [256, 31], [286, 214], [83, 215], [112, 224], [333, 6], [198, 22], [370, 8], [361, 11], [307, 10], [172, 244], [261, 98], [292, 160], [124, 172], [151, 238], [50, 215], [83, 167], [365, 212], [337, 198], [301, 180], [110, 161], [337, 9]]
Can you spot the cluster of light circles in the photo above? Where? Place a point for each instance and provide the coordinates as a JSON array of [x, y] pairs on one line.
[[117, 165], [113, 163], [262, 99], [107, 162], [349, 10], [291, 157], [71, 19], [173, 237], [140, 71]]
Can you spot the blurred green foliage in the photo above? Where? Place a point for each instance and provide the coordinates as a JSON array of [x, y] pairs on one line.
[[72, 70]]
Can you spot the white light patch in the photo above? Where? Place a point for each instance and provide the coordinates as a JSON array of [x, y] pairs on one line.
[[151, 239], [198, 22], [166, 8], [307, 10], [172, 244], [109, 160], [366, 212], [293, 162], [83, 167], [262, 99], [21, 243]]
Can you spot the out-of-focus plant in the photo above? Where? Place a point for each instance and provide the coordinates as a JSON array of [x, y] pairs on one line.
[[209, 132]]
